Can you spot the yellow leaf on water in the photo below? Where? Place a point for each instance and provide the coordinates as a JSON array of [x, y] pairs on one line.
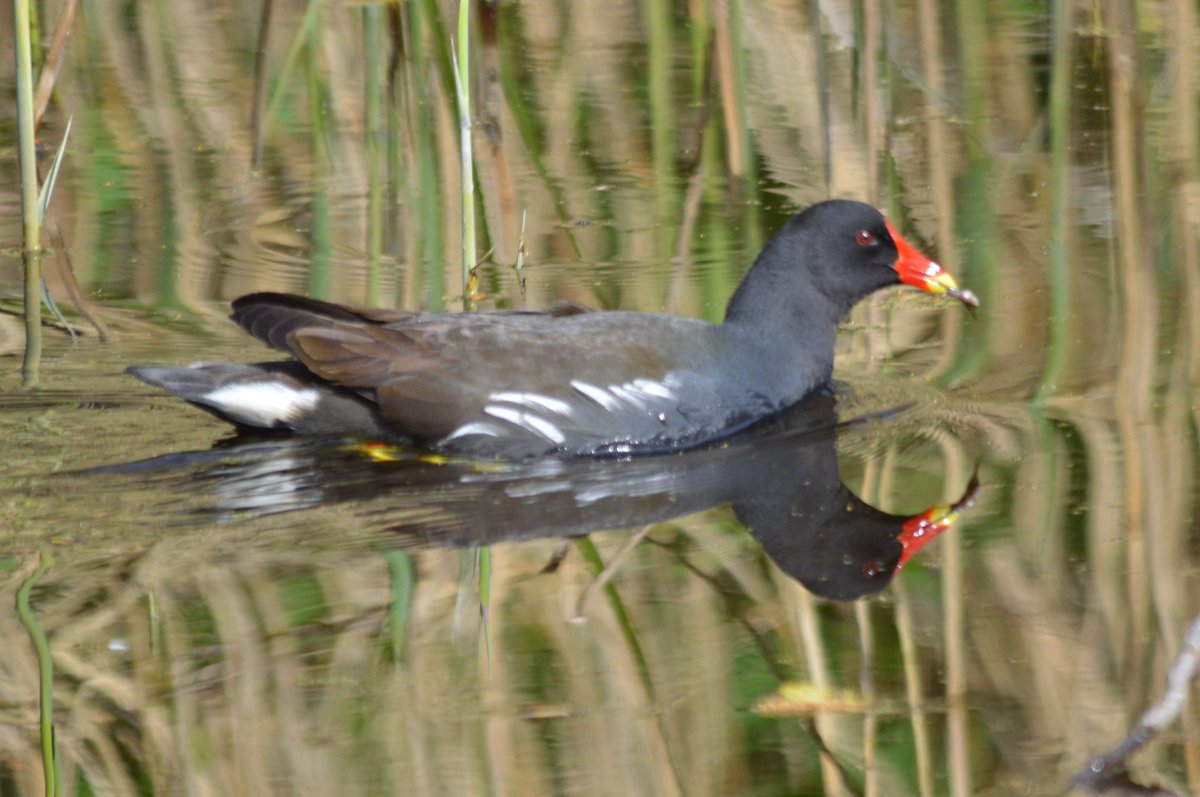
[[794, 699]]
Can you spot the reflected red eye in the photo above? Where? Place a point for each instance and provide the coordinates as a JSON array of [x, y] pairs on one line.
[[865, 238], [875, 568]]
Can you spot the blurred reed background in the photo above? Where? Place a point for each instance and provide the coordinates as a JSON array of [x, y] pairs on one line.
[[1047, 153]]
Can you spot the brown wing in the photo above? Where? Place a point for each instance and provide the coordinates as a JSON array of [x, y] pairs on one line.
[[272, 317], [420, 368], [401, 370]]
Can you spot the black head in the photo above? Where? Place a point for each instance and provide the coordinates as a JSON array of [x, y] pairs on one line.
[[851, 252], [830, 256], [827, 539]]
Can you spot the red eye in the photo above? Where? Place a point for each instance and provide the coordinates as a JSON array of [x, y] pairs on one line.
[[864, 238]]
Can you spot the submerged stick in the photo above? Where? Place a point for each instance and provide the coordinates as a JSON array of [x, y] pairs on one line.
[[1108, 769]]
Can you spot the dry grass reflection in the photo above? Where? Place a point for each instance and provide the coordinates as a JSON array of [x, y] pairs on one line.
[[1048, 153]]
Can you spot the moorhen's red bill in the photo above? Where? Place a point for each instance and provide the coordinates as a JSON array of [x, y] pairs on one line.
[[565, 380]]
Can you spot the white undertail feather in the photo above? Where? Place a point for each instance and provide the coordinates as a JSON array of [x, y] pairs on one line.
[[262, 403]]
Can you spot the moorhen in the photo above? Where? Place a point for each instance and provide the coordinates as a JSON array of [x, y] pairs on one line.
[[565, 380]]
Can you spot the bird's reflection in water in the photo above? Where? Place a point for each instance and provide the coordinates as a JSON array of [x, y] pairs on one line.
[[780, 478]]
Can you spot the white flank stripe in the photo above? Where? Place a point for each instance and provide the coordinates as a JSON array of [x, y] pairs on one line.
[[597, 394], [527, 421], [534, 400], [474, 427], [651, 388], [504, 414], [262, 403], [629, 395], [544, 428]]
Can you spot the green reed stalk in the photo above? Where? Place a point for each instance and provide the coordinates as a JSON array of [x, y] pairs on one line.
[[976, 204], [44, 196], [462, 84], [527, 127], [373, 30], [320, 267], [45, 674], [441, 43], [304, 37], [399, 187], [1060, 198], [591, 555], [700, 28], [425, 193], [462, 77], [732, 68], [402, 579], [912, 688], [32, 249], [866, 682], [35, 33], [484, 563], [822, 76], [720, 280], [662, 122]]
